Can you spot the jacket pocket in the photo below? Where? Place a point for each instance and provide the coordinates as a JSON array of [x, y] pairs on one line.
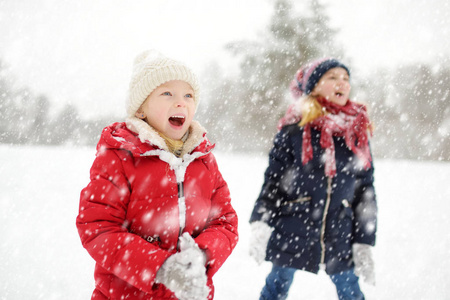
[[341, 226], [294, 219], [295, 206]]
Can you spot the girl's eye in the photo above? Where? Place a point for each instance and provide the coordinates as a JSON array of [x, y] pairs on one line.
[[189, 96], [167, 94]]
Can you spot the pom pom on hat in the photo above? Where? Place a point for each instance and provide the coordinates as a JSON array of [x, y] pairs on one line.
[[150, 70], [308, 76]]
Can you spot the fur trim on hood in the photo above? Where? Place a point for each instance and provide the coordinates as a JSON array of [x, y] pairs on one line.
[[148, 134]]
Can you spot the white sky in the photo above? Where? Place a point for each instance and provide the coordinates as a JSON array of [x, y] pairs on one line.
[[81, 51]]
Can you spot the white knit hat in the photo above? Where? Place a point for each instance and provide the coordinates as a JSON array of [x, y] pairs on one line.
[[150, 70]]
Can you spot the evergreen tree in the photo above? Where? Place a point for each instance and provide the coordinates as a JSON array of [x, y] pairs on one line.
[[38, 132], [216, 115], [66, 126], [259, 95], [25, 119], [18, 116], [423, 98], [411, 112], [8, 108]]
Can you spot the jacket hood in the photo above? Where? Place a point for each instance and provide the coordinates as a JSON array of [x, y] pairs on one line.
[[139, 138]]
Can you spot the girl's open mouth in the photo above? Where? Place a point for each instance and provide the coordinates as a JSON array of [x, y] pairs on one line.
[[177, 120]]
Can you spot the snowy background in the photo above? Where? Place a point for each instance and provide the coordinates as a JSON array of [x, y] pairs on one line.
[[80, 52], [42, 257]]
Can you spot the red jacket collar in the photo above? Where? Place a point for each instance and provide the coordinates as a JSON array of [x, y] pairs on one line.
[[119, 136]]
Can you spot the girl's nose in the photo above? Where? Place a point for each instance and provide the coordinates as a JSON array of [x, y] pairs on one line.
[[180, 102], [342, 82]]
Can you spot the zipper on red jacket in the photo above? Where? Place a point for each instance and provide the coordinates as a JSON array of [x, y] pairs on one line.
[[180, 186], [180, 189]]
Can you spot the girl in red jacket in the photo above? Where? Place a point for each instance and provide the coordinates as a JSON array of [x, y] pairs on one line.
[[156, 215]]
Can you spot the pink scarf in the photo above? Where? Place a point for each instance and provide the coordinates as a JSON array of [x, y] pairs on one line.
[[350, 121]]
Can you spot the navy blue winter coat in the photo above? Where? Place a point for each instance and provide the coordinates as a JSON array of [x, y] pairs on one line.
[[316, 219]]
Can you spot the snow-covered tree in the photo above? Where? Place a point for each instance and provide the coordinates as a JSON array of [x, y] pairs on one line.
[[258, 96], [66, 126], [412, 112], [8, 109]]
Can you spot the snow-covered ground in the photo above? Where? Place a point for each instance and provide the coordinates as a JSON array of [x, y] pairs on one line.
[[41, 256]]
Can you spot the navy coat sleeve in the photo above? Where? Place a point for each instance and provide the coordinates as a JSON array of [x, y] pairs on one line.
[[365, 208], [272, 193]]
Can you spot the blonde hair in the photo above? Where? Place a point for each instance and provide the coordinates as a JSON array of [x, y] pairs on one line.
[[175, 146], [311, 110]]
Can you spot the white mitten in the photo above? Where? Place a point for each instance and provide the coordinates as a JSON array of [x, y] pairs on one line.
[[260, 235], [364, 264], [184, 272]]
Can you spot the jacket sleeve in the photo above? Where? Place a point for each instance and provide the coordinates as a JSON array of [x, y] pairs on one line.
[[272, 192], [102, 227], [220, 235], [365, 208]]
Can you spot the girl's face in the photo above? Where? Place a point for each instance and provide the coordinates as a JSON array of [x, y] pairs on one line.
[[334, 86], [169, 109]]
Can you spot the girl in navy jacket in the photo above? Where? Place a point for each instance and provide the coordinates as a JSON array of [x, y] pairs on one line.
[[317, 207]]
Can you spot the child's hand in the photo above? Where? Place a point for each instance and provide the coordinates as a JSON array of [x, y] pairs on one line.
[[260, 235], [364, 264], [184, 272]]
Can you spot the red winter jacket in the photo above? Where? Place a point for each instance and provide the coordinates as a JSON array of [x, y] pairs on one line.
[[133, 210]]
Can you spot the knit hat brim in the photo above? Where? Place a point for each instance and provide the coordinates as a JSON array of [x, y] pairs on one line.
[[308, 76], [152, 70], [317, 73]]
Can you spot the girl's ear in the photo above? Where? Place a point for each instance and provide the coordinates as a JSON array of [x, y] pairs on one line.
[[316, 90], [140, 114]]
